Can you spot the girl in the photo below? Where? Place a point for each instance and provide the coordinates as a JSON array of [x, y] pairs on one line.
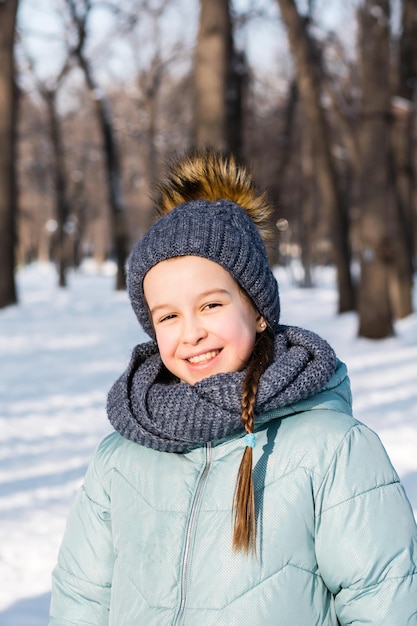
[[237, 488]]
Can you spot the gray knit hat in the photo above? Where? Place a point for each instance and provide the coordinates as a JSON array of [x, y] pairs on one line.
[[220, 231]]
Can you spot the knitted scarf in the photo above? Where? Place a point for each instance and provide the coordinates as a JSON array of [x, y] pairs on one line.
[[146, 406]]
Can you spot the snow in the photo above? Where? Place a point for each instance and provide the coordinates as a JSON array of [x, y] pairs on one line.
[[61, 349]]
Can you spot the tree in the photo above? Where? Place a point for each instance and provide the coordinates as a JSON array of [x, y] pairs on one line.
[[352, 119], [308, 72], [374, 307], [403, 180], [8, 112], [217, 79], [79, 14], [149, 81], [49, 92], [34, 168], [60, 182]]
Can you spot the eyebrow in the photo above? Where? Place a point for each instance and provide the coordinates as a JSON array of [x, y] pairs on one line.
[[203, 294]]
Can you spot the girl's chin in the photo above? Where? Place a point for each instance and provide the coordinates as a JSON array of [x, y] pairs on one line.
[[196, 377]]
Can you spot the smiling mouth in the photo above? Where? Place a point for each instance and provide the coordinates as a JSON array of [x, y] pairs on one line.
[[202, 358]]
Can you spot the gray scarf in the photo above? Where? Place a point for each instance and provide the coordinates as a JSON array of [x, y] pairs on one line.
[[146, 406]]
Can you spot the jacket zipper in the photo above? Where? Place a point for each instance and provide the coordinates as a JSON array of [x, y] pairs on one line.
[[190, 534]]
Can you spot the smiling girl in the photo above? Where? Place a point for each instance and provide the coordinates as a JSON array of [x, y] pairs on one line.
[[204, 324], [237, 488]]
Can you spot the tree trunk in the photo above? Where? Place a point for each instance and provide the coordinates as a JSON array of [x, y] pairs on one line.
[[211, 72], [8, 115], [375, 315], [308, 72], [235, 98], [79, 15], [284, 158], [403, 111], [307, 209], [150, 83], [112, 161], [59, 178]]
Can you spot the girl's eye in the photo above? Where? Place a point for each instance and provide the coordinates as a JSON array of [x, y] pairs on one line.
[[167, 317], [212, 305]]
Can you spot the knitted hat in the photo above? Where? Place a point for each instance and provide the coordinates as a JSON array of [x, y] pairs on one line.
[[220, 231]]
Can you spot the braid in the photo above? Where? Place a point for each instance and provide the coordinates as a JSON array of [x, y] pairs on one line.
[[244, 534]]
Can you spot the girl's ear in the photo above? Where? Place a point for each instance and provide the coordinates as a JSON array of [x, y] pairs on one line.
[[260, 324]]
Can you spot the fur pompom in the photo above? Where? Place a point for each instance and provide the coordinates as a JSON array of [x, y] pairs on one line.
[[211, 175]]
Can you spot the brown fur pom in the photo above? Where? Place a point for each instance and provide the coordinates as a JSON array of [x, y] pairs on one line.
[[211, 175]]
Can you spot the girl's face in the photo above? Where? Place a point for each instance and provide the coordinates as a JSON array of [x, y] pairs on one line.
[[203, 322]]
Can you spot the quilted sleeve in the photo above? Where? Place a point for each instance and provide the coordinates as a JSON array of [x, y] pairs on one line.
[[81, 580], [366, 536]]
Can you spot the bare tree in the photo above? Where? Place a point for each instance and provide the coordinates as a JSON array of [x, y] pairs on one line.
[[33, 164], [307, 212], [80, 12], [235, 101], [403, 180], [8, 108], [405, 89], [398, 121], [62, 209], [280, 158], [374, 307], [213, 60], [308, 72], [49, 91], [149, 81]]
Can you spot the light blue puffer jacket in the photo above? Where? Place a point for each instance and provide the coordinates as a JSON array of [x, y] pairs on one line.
[[148, 540]]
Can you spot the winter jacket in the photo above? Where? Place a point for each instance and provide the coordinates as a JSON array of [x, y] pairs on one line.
[[148, 540]]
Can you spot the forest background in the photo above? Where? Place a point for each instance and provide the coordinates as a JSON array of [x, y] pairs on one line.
[[318, 97]]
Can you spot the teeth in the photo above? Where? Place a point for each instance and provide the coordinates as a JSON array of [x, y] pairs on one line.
[[203, 357]]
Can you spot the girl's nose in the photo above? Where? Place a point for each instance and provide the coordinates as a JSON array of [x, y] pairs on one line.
[[193, 331]]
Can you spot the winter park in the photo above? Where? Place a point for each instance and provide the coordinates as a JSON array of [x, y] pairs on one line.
[[296, 121], [60, 352]]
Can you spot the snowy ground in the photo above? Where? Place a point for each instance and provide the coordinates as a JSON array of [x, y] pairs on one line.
[[60, 350]]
